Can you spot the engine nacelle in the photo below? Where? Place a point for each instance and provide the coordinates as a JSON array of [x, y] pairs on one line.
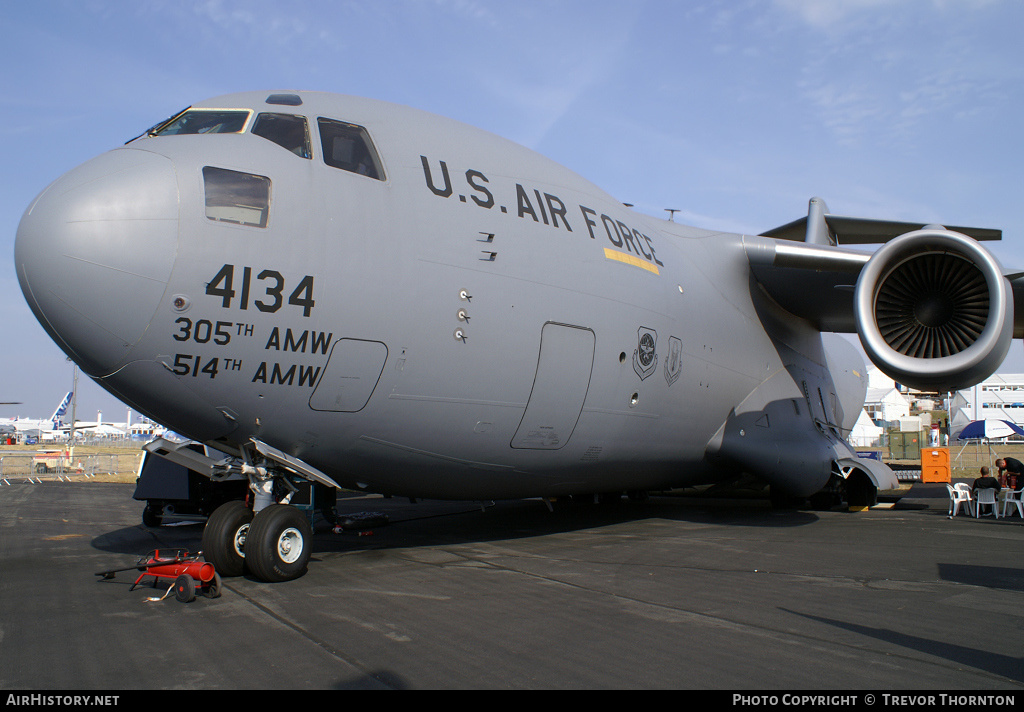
[[934, 311]]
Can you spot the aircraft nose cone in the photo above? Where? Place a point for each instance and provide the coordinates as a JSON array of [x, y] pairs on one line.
[[94, 253]]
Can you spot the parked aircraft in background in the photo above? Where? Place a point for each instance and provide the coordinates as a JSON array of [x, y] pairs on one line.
[[43, 426], [340, 291], [6, 425]]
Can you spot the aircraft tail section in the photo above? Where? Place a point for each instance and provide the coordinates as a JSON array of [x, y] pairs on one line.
[[61, 409]]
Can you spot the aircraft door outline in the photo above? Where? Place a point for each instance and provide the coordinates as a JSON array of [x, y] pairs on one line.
[[565, 365], [350, 376]]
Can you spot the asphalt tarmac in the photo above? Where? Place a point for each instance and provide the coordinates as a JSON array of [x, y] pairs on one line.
[[669, 593]]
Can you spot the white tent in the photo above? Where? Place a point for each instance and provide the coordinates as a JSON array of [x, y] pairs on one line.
[[865, 433]]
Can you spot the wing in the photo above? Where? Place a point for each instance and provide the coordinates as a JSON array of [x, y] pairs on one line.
[[933, 308], [845, 230]]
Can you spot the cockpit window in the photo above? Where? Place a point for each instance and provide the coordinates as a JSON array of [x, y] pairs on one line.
[[240, 198], [348, 147], [200, 121], [288, 131]]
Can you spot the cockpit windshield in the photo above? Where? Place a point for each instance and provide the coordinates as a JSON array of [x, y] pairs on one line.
[[348, 147], [286, 130], [201, 121]]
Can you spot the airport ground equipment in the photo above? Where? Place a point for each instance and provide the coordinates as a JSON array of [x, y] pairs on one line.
[[190, 573], [54, 461]]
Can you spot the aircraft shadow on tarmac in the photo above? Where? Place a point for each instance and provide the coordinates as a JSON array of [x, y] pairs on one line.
[[987, 576], [1003, 665], [431, 523]]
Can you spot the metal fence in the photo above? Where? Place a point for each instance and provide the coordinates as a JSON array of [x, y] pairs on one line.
[[27, 466], [967, 460]]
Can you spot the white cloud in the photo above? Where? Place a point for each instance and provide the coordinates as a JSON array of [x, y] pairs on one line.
[[827, 13], [899, 74]]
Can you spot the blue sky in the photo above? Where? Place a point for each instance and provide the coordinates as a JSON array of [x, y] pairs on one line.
[[735, 112]]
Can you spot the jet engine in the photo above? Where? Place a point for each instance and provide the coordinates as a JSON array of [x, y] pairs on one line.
[[933, 310]]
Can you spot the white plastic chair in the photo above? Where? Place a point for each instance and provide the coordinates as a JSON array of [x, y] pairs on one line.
[[956, 498], [968, 496], [1013, 498], [986, 497]]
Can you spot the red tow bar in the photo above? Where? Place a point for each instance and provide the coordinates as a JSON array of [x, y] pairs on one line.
[[189, 572]]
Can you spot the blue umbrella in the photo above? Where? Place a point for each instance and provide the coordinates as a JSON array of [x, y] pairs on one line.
[[989, 429]]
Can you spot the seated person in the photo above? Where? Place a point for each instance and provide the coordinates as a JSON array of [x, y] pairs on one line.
[[985, 481]]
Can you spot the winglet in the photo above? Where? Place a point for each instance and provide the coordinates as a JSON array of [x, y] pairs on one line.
[[818, 232], [821, 227]]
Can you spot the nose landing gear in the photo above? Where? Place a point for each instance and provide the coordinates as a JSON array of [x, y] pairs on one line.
[[278, 545], [271, 534], [274, 544]]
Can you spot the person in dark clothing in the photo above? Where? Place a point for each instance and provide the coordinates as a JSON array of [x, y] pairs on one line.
[[986, 481], [1013, 469]]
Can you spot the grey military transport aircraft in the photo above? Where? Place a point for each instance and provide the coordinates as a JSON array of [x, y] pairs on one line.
[[330, 292]]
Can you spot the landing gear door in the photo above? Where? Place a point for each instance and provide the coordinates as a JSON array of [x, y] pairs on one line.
[[559, 387]]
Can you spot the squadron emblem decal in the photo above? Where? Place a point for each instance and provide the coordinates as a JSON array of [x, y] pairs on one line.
[[645, 360], [674, 362]]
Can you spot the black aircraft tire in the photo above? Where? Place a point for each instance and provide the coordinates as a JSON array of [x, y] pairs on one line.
[[224, 538], [279, 544], [151, 516]]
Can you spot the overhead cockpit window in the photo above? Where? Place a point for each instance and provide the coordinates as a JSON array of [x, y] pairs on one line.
[[348, 147], [240, 198], [288, 131], [201, 121]]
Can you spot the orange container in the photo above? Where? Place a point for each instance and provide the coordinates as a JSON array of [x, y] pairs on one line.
[[935, 464]]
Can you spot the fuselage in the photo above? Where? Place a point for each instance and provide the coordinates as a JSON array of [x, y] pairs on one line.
[[413, 306]]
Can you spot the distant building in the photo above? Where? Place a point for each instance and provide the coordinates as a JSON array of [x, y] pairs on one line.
[[998, 397], [884, 407], [145, 430], [883, 402]]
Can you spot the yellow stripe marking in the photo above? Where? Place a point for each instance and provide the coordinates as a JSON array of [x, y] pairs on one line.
[[630, 260]]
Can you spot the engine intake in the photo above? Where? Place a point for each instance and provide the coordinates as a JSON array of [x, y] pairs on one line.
[[934, 311]]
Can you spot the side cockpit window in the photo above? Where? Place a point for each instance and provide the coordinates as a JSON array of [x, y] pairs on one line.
[[202, 121], [234, 197], [348, 147], [286, 130]]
